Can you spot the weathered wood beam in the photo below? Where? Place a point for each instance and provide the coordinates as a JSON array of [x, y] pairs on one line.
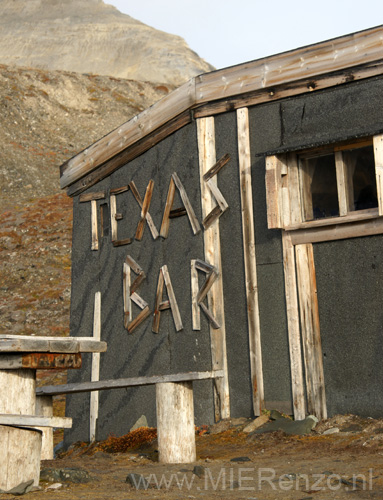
[[35, 421], [26, 343], [212, 249], [249, 255], [54, 390], [293, 327], [319, 66]]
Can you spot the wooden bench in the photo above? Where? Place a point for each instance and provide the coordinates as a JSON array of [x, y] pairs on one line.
[[174, 406], [20, 422]]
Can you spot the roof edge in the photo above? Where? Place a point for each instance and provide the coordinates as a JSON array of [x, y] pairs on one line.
[[341, 53]]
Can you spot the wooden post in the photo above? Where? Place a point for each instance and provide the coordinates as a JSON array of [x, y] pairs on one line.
[[20, 448], [292, 310], [212, 246], [175, 422], [44, 408], [248, 237], [95, 375], [312, 348]]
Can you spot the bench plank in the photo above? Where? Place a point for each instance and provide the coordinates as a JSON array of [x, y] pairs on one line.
[[35, 421], [27, 343], [53, 390]]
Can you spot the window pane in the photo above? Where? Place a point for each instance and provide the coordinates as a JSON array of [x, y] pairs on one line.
[[319, 187], [361, 165]]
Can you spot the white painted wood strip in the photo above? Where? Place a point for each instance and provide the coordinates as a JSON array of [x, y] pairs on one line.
[[292, 311], [249, 247], [212, 248], [35, 421], [95, 373], [54, 390], [378, 154]]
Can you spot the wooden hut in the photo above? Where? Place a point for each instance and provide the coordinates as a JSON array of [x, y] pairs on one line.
[[237, 225]]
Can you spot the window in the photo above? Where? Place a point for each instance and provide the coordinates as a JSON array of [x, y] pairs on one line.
[[312, 187]]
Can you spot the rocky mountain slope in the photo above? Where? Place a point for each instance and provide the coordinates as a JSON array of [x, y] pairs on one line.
[[47, 117], [89, 36]]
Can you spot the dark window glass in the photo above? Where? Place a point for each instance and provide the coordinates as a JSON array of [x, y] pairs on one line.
[[361, 165], [318, 181]]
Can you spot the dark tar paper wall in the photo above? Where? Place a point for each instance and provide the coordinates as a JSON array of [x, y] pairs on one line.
[[343, 270]]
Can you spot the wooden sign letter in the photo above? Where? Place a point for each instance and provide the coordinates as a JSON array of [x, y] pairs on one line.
[[199, 295], [145, 215], [161, 305], [92, 197], [129, 294], [221, 202], [114, 217], [175, 182]]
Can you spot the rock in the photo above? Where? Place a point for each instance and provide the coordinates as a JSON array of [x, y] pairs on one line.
[[199, 471], [54, 487], [21, 488], [141, 422], [137, 481], [240, 459], [89, 36], [291, 427], [72, 475], [237, 422], [332, 430], [221, 426], [255, 424], [275, 415]]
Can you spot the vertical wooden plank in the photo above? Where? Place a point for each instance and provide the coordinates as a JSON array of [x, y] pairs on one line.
[[94, 224], [378, 154], [309, 313], [273, 182], [306, 170], [292, 310], [207, 158], [44, 408], [248, 238], [294, 189], [113, 213], [345, 195], [95, 375]]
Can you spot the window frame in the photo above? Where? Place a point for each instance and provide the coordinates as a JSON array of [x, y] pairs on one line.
[[285, 186]]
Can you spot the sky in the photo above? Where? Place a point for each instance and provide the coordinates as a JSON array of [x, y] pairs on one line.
[[229, 32]]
